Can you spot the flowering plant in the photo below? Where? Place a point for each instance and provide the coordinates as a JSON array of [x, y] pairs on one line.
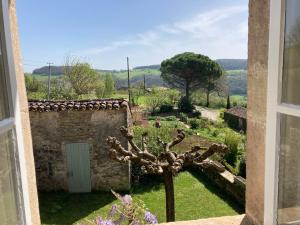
[[126, 212]]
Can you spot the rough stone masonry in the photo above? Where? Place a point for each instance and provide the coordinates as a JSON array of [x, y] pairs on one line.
[[55, 124]]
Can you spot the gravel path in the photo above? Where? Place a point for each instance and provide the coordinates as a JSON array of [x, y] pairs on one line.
[[212, 114]]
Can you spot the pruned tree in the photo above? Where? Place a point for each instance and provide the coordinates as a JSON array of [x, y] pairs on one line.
[[167, 163]]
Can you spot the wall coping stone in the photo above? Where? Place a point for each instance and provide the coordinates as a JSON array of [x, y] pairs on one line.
[[80, 105]]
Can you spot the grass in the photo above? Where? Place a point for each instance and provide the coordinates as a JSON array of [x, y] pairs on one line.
[[195, 198]]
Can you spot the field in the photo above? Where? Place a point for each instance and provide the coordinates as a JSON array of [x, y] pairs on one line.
[[195, 197]]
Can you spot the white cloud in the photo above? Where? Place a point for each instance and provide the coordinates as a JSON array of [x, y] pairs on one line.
[[217, 33]]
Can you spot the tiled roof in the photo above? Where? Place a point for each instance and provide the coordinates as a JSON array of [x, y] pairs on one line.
[[238, 111], [81, 105]]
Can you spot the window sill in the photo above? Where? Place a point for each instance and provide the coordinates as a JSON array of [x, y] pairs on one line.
[[226, 220]]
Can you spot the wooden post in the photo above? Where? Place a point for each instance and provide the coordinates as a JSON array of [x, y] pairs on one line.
[[128, 79]]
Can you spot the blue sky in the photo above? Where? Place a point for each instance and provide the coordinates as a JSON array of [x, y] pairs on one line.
[[104, 32]]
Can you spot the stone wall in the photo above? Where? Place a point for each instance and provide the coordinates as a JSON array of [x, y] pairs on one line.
[[52, 130], [235, 122], [232, 185]]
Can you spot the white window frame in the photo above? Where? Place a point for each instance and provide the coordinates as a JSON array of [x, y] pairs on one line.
[[274, 109], [14, 121]]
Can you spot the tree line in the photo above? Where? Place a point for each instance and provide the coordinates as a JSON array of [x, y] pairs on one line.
[[186, 72], [79, 81]]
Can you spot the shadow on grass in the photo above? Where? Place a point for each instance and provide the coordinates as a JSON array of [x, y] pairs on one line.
[[63, 208], [148, 183], [219, 192]]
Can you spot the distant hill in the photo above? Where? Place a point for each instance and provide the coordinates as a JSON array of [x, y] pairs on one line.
[[227, 64], [55, 70], [154, 67], [233, 64]]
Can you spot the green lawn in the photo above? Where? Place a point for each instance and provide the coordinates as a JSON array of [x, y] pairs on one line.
[[195, 198]]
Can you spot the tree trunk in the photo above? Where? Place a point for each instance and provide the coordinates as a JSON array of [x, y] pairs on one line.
[[169, 189], [187, 91], [207, 98]]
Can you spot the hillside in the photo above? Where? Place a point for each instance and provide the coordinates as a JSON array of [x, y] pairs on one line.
[[226, 64], [235, 68]]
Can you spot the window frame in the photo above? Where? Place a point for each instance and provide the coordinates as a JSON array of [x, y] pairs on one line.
[[13, 122], [274, 108]]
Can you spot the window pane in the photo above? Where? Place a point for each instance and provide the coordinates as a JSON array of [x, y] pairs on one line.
[[291, 62], [10, 211], [4, 110], [289, 171]]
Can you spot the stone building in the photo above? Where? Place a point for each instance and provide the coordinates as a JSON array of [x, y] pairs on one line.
[[69, 144], [236, 118]]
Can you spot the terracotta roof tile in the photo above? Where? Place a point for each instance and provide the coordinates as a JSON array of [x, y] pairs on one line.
[[81, 105], [238, 111]]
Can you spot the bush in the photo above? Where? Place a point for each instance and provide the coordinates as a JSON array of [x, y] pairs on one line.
[[152, 117], [196, 114], [242, 167], [185, 105], [194, 123], [170, 118], [204, 122], [166, 108], [232, 140], [214, 132], [164, 133], [183, 117], [221, 114]]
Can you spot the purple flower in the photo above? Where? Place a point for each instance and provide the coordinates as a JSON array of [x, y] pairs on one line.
[[127, 199], [150, 218], [112, 211], [135, 223], [120, 219], [100, 221]]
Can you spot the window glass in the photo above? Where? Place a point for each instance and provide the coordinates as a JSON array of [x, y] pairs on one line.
[[291, 62], [10, 211], [4, 112], [289, 171]]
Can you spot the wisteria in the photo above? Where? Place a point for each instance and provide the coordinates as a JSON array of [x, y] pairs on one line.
[[126, 212], [150, 218]]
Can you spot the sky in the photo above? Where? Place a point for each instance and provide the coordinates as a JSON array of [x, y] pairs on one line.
[[104, 32]]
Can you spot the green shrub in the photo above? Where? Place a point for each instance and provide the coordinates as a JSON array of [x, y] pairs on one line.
[[183, 117], [152, 117], [170, 118], [221, 114], [194, 123], [164, 133], [196, 114], [232, 140], [185, 105], [214, 132], [204, 122], [242, 166], [166, 108]]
